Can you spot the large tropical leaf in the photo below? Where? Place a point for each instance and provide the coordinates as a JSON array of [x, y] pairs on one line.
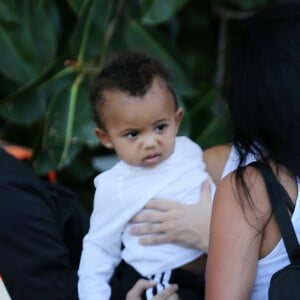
[[76, 5], [138, 37], [158, 11], [87, 40], [28, 103], [216, 132], [68, 125], [26, 109], [27, 40]]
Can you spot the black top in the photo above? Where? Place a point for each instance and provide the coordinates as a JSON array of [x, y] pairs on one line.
[[41, 229]]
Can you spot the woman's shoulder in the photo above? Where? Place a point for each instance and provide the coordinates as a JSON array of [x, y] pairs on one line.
[[249, 192]]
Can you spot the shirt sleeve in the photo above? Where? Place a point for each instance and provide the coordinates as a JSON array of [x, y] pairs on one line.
[[34, 261], [102, 245]]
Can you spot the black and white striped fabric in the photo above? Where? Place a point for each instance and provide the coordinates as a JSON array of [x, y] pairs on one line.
[[191, 286], [163, 281]]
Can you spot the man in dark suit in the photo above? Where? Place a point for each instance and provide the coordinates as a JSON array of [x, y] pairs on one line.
[[41, 230]]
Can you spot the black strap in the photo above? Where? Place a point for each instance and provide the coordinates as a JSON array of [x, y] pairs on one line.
[[277, 196]]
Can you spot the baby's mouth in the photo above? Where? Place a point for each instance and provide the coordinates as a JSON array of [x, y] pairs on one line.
[[152, 159]]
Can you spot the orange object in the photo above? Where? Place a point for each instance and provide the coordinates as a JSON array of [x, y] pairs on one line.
[[25, 153], [20, 152], [52, 176]]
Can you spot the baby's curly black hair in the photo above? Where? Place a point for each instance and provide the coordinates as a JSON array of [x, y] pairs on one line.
[[131, 72]]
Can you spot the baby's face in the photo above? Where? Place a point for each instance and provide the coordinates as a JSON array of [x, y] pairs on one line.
[[141, 129]]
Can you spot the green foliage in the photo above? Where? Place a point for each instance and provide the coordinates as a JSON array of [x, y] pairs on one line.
[[50, 49], [157, 12], [243, 5]]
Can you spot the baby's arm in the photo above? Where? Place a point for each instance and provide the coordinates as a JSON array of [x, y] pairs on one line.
[[101, 247]]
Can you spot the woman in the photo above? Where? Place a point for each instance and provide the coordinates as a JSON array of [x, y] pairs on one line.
[[265, 109]]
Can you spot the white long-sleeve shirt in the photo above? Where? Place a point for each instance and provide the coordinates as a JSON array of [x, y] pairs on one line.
[[123, 191]]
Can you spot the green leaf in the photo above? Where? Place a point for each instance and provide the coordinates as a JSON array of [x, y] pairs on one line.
[[12, 65], [162, 11], [26, 108], [27, 104], [139, 38], [217, 130], [76, 5], [41, 34], [59, 80], [6, 11], [42, 162], [27, 41], [68, 125], [87, 40], [244, 4]]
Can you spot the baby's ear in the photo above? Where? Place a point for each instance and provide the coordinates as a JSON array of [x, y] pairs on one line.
[[103, 137], [178, 116]]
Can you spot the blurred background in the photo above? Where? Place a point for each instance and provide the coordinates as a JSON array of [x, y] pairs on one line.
[[50, 50]]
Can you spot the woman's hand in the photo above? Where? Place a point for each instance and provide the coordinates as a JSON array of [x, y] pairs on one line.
[[172, 222], [142, 284]]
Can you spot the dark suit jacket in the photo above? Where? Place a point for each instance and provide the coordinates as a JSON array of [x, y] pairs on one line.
[[41, 229]]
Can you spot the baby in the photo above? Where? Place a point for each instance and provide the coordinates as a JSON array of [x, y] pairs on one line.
[[137, 114]]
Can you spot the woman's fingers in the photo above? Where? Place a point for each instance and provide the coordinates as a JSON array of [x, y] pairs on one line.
[[168, 293], [165, 221], [155, 211], [147, 228], [155, 240], [158, 225], [147, 215], [141, 285], [162, 204], [138, 289], [206, 197]]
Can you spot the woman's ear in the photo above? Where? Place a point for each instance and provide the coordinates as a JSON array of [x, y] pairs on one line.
[[103, 137], [178, 117]]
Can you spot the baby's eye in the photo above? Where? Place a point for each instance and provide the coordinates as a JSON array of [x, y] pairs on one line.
[[131, 134], [161, 128]]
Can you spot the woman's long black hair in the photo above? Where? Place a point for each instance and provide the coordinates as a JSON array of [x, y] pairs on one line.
[[264, 98]]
